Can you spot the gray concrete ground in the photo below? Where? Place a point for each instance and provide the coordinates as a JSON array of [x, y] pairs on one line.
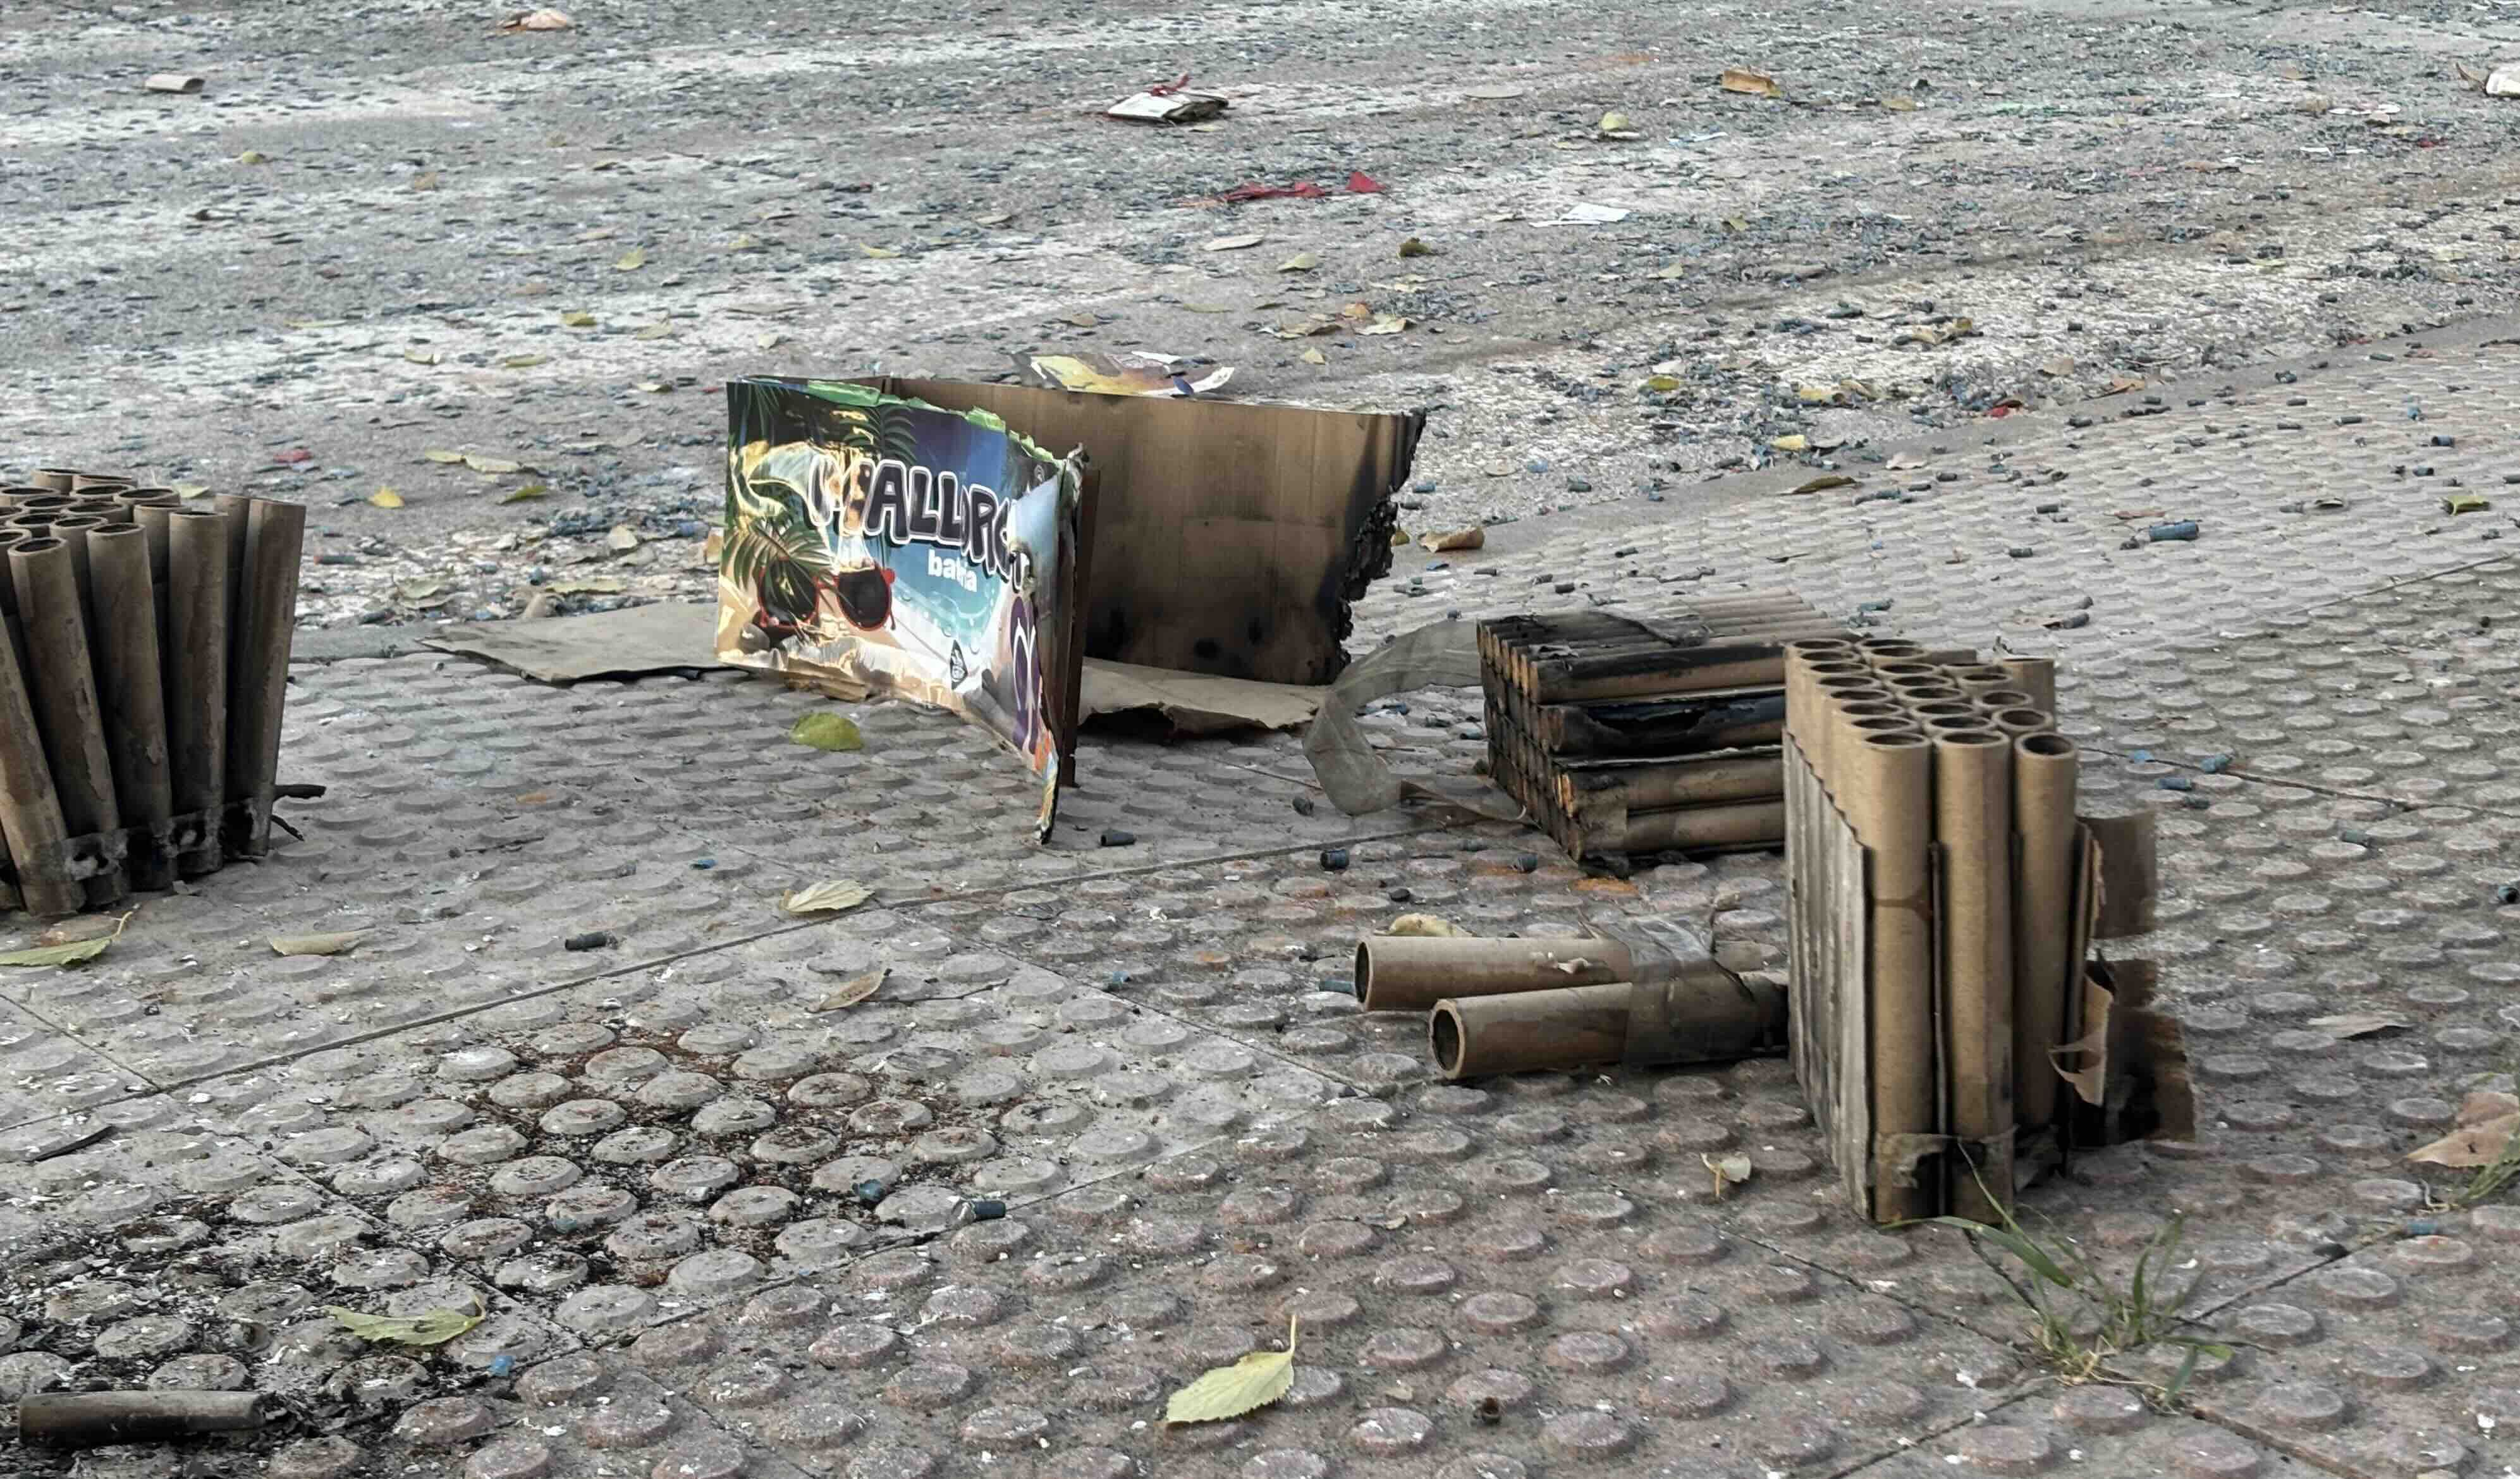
[[709, 1212]]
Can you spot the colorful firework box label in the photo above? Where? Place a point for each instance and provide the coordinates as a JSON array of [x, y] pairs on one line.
[[879, 545]]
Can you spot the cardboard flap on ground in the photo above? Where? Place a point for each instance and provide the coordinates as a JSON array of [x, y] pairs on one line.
[[1227, 537]]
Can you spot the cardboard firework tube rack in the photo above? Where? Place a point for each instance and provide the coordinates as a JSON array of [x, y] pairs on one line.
[[1626, 734], [1928, 1038], [141, 681]]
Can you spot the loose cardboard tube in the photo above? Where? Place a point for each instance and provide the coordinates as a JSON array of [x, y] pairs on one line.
[[1973, 833], [59, 479], [132, 690], [95, 1420], [1566, 1027], [1888, 795], [1988, 700], [2044, 770], [1700, 1016], [60, 679], [30, 811], [1413, 972], [1704, 828], [2017, 722], [258, 666], [196, 675], [2035, 676], [81, 482]]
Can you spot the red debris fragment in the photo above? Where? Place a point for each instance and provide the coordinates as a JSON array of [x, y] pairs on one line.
[[1304, 190], [294, 455], [1167, 89], [1358, 183]]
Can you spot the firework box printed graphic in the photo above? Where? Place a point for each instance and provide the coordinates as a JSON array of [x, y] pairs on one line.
[[879, 545]]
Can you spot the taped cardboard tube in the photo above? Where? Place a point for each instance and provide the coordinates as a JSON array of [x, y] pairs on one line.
[[1886, 793], [1973, 832], [1990, 701], [197, 676], [130, 684], [2044, 772], [61, 678], [2035, 676], [1413, 972]]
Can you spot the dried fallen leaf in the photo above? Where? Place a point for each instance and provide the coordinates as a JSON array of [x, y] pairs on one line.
[[994, 218], [253, 156], [577, 320], [1896, 103], [877, 251], [1384, 323], [420, 356], [655, 330], [828, 897], [1414, 248], [521, 361], [1426, 926], [425, 180], [1740, 80], [1301, 261], [1221, 1392], [1729, 1171], [1473, 538], [2358, 1024], [852, 991], [192, 490], [79, 927], [601, 585], [527, 494], [386, 498], [537, 20], [2486, 1123], [1794, 443], [440, 454], [1233, 242], [67, 953], [630, 262], [770, 342], [427, 1329], [622, 539], [1314, 357], [493, 466], [834, 733], [1823, 483], [316, 944], [1662, 385], [1615, 126]]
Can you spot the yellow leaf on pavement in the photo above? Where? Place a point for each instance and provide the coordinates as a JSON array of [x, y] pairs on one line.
[[1255, 1381], [386, 498]]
